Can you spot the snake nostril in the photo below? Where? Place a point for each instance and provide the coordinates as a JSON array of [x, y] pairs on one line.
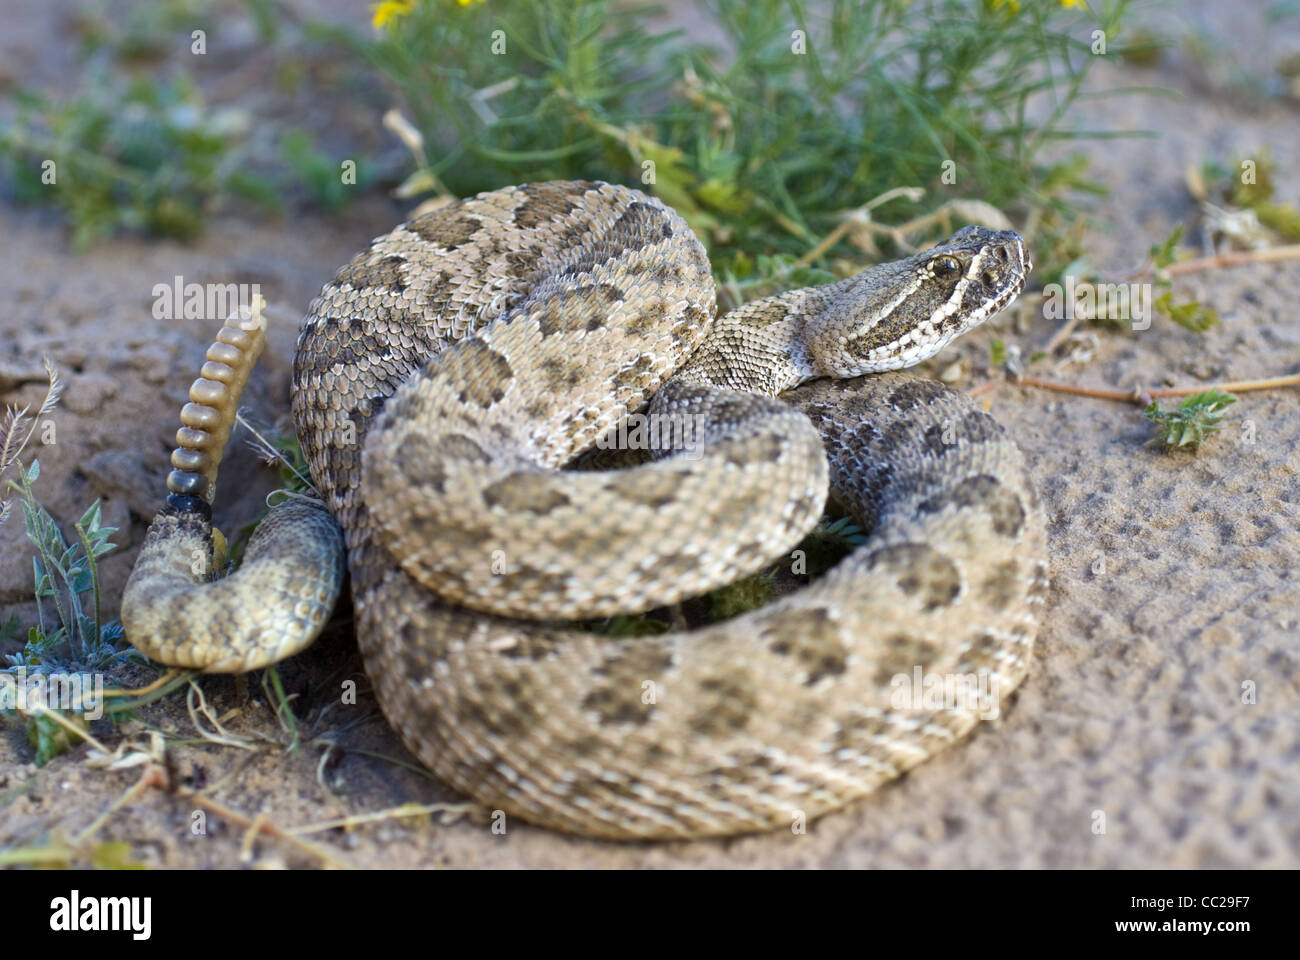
[[987, 278]]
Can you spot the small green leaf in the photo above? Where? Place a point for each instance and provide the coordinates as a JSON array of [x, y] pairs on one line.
[[723, 196], [1191, 316], [102, 547], [843, 530], [49, 737], [740, 597], [42, 587], [90, 519], [998, 353], [1192, 421], [1194, 317], [115, 855], [1163, 254]]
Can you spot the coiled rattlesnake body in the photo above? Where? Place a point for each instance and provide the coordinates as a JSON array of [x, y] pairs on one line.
[[448, 372]]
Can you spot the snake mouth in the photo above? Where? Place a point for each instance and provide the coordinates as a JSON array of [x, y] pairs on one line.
[[1016, 288], [1007, 247]]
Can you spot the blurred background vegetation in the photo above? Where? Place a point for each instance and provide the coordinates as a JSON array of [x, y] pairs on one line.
[[778, 128], [808, 114]]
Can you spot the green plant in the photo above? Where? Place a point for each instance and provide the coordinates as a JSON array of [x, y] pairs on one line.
[[1254, 192], [997, 354], [64, 573], [828, 543], [1114, 310], [1191, 315], [317, 172], [1192, 421], [143, 33], [736, 598], [138, 155], [805, 118]]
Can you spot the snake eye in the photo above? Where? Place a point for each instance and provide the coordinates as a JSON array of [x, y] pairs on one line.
[[945, 266]]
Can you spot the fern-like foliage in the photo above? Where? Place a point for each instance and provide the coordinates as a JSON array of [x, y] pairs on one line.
[[1192, 421]]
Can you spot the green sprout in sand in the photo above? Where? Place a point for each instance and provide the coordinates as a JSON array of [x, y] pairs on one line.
[[1192, 421]]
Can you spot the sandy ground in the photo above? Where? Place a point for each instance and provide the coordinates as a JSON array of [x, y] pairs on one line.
[[1174, 575]]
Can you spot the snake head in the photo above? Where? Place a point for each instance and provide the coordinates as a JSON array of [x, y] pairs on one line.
[[897, 314]]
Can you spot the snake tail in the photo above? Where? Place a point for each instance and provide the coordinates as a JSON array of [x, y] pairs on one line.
[[206, 421], [176, 608]]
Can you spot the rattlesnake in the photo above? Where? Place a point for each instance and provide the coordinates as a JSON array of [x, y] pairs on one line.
[[448, 372]]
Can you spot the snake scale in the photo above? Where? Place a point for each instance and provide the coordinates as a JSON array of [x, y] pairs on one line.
[[445, 379]]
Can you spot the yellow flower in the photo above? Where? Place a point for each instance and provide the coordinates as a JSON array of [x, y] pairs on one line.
[[389, 10], [1075, 4]]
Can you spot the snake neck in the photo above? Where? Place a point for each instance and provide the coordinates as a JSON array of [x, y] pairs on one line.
[[761, 347]]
